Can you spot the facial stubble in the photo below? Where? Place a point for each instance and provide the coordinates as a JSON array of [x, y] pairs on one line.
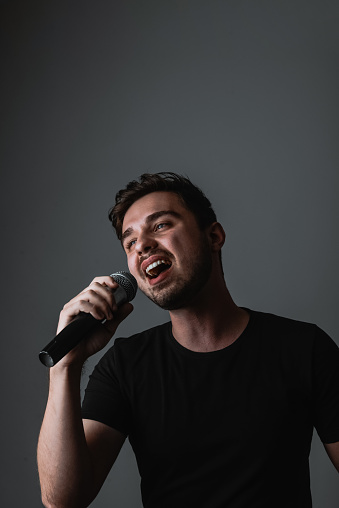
[[179, 293]]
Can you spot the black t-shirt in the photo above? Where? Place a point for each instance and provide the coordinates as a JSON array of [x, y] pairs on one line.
[[224, 429]]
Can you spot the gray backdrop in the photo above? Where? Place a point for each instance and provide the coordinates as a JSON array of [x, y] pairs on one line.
[[242, 96]]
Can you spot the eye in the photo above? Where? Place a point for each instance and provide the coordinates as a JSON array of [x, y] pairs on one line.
[[160, 226], [129, 244]]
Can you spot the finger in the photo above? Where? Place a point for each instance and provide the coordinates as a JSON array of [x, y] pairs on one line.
[[122, 313], [89, 308], [101, 307], [72, 309], [105, 279], [104, 291], [97, 299]]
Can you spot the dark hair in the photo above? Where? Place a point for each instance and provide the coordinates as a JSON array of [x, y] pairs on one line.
[[193, 197]]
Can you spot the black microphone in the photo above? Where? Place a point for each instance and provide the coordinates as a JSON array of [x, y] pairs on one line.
[[84, 323]]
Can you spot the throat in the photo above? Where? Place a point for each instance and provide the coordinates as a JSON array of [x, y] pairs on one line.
[[199, 335]]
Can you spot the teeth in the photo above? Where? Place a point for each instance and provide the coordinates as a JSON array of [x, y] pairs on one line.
[[156, 263]]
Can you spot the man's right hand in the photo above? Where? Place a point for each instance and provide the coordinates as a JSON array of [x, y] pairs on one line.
[[75, 456], [98, 300]]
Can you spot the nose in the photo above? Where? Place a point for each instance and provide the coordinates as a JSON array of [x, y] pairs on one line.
[[145, 243]]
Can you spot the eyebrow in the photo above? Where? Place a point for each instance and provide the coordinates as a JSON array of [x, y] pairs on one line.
[[150, 218]]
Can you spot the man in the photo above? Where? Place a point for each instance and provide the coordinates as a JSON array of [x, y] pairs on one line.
[[219, 404]]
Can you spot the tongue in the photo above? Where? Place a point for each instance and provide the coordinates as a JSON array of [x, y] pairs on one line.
[[155, 272]]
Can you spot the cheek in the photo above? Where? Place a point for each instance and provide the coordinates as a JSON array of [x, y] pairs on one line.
[[181, 245], [131, 265]]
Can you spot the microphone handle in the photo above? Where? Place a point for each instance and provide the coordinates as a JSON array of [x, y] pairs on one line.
[[68, 338], [78, 329]]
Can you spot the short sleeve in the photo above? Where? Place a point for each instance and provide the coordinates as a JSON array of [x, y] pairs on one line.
[[104, 400], [325, 387]]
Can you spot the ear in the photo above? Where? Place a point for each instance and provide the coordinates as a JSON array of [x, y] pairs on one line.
[[216, 236]]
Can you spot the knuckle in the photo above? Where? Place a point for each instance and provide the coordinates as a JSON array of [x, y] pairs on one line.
[[83, 303]]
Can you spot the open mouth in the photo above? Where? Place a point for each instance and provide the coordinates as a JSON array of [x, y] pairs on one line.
[[155, 269]]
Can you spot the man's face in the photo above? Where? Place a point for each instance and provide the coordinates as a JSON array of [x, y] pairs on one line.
[[166, 251]]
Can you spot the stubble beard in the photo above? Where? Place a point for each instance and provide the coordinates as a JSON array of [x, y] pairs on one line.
[[184, 289]]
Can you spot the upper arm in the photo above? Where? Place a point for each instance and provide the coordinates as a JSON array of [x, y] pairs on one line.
[[332, 450], [104, 444]]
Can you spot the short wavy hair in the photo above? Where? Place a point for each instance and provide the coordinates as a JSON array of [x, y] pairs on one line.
[[192, 197]]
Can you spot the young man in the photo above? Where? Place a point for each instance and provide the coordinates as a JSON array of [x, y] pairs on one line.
[[219, 403]]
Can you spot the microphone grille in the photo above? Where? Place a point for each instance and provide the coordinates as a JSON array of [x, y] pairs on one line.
[[128, 282]]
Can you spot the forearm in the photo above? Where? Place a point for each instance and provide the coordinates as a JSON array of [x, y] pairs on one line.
[[67, 473], [64, 463]]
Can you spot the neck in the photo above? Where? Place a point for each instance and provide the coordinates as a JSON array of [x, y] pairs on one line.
[[212, 322]]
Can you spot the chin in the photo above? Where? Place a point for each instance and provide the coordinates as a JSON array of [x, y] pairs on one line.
[[178, 297]]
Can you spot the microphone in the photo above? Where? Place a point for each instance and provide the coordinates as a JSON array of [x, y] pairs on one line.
[[84, 323]]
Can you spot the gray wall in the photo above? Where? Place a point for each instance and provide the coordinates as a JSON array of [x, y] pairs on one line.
[[242, 96]]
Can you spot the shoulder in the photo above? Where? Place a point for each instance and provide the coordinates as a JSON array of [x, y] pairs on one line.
[[291, 335], [140, 348], [284, 327], [299, 349]]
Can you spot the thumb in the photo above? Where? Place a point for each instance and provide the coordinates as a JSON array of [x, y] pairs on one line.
[[121, 314], [123, 311]]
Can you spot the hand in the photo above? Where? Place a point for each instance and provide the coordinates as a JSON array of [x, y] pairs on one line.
[[98, 300]]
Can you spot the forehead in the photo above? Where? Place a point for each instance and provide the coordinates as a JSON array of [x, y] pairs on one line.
[[150, 204]]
